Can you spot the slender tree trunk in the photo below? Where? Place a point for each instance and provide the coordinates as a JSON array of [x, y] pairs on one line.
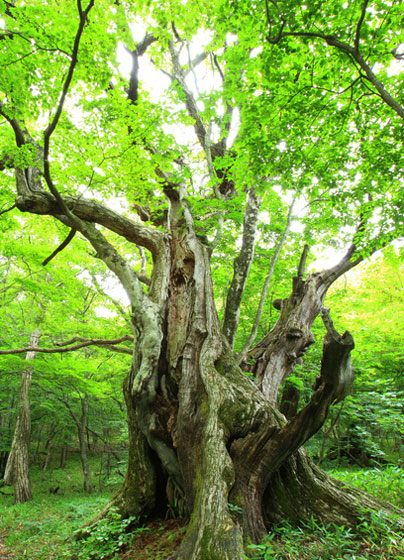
[[3, 462], [241, 268], [249, 342], [17, 468], [48, 448], [63, 456], [82, 435]]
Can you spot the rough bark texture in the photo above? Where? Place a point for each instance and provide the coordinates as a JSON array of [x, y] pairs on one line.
[[241, 268], [274, 358], [300, 490], [203, 437], [17, 468]]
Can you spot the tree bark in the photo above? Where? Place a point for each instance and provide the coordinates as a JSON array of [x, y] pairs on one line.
[[300, 490], [203, 437], [274, 358], [241, 268], [17, 468], [63, 456], [48, 448]]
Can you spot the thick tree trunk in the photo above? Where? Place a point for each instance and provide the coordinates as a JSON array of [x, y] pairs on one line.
[[204, 439], [17, 468], [207, 439]]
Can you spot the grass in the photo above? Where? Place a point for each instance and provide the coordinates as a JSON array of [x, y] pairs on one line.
[[378, 539], [315, 541], [385, 483], [42, 529]]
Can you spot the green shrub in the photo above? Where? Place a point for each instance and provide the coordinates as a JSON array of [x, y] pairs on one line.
[[107, 537], [374, 539], [385, 483]]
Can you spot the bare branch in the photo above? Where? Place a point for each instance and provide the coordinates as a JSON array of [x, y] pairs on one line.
[[30, 40], [358, 27], [43, 203], [64, 244], [397, 55], [124, 314], [190, 102], [241, 355], [8, 209], [91, 342], [139, 50], [346, 263], [241, 267], [195, 61], [302, 263]]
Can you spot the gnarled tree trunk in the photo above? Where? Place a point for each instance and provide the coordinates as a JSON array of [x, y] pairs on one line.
[[204, 437]]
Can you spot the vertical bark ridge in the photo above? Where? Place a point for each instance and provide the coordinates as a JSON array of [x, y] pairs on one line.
[[276, 355], [212, 534], [17, 467], [241, 267]]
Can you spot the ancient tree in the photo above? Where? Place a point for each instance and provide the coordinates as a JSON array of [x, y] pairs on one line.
[[162, 189]]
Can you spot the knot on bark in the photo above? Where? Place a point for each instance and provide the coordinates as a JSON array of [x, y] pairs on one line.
[[294, 332], [278, 303]]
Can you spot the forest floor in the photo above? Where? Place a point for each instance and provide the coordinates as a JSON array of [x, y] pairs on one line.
[[5, 553], [43, 529]]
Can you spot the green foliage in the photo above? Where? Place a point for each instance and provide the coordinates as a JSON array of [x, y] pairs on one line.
[[42, 529], [386, 483], [310, 127], [374, 539], [107, 537]]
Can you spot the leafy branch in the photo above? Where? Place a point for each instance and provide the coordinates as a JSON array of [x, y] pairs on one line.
[[352, 51], [52, 125]]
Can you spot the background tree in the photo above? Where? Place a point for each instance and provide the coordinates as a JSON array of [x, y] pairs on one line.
[[202, 434], [66, 307], [17, 468]]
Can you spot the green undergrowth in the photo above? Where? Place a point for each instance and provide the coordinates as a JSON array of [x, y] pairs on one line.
[[43, 529], [379, 539], [385, 483]]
